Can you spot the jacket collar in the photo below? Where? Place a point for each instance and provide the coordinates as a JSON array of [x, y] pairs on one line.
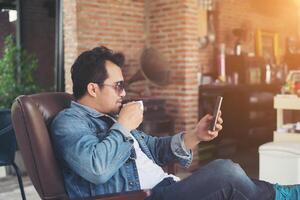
[[88, 110]]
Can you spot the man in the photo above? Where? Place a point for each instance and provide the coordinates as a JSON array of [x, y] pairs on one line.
[[101, 152]]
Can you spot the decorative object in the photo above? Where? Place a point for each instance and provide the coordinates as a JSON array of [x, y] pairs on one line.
[[239, 34], [292, 85], [221, 63], [266, 45], [206, 29], [154, 68]]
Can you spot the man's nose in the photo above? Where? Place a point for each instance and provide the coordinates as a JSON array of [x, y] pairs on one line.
[[123, 93]]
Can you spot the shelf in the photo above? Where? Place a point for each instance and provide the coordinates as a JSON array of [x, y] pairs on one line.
[[286, 137], [288, 102]]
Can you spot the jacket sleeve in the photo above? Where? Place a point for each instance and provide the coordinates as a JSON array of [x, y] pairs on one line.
[[94, 160], [169, 148]]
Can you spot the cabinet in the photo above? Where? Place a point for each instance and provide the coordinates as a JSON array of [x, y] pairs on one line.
[[281, 103], [247, 110]]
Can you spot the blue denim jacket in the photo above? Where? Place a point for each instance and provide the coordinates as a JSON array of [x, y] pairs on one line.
[[96, 153]]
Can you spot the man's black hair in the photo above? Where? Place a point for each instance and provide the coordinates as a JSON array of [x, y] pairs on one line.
[[90, 67]]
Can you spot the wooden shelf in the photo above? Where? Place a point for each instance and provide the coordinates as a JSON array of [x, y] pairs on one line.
[[283, 137]]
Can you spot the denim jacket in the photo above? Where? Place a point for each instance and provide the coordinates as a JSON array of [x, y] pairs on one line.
[[96, 153]]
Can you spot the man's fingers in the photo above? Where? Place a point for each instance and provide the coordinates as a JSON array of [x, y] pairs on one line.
[[220, 120], [213, 134], [219, 127]]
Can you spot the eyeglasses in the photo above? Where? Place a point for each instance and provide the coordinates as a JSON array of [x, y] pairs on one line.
[[118, 86]]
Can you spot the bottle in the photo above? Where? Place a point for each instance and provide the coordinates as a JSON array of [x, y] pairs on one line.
[[238, 48], [221, 63], [268, 74]]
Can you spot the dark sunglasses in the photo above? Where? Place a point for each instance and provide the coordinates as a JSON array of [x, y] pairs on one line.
[[118, 86]]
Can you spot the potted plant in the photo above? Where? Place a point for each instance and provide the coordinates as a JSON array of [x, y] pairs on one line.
[[17, 69]]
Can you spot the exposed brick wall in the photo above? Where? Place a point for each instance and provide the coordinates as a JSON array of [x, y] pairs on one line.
[[70, 40], [173, 31], [119, 25]]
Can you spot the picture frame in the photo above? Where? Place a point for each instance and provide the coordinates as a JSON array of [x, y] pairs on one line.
[[266, 45]]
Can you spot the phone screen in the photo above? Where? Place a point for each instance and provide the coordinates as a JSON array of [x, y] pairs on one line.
[[215, 114]]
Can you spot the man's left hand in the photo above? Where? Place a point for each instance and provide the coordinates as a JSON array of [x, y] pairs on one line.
[[202, 129], [202, 132]]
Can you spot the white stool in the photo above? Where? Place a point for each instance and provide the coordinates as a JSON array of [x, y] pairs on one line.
[[2, 172], [279, 162]]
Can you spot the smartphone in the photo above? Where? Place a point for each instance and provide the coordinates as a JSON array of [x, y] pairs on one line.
[[215, 114]]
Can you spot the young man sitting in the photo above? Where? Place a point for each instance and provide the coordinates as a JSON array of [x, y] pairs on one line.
[[101, 152]]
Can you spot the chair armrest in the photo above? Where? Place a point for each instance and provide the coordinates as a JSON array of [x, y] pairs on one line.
[[135, 195]]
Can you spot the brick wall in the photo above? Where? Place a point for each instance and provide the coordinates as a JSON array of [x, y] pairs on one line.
[[118, 25], [70, 39], [173, 31]]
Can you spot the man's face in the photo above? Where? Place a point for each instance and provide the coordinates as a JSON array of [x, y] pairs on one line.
[[109, 98]]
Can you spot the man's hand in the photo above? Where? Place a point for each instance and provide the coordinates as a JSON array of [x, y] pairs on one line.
[[131, 115], [201, 132]]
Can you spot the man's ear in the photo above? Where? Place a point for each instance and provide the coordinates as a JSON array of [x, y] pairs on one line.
[[91, 89]]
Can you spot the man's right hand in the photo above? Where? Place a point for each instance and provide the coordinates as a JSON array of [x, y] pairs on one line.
[[131, 115]]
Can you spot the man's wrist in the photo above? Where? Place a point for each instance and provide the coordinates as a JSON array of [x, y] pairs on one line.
[[121, 128], [178, 146], [190, 139]]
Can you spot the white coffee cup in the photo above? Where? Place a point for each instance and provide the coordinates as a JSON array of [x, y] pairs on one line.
[[142, 105]]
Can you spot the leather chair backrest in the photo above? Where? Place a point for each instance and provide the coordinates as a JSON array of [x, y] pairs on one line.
[[31, 117]]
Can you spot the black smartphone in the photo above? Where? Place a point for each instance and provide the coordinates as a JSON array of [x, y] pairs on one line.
[[215, 114]]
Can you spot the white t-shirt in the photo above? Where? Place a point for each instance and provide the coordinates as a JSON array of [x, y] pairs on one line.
[[150, 174]]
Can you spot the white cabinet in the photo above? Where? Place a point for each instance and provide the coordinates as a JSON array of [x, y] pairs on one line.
[[281, 103], [279, 161]]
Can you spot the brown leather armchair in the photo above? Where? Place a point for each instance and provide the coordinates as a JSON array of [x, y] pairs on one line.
[[31, 116]]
